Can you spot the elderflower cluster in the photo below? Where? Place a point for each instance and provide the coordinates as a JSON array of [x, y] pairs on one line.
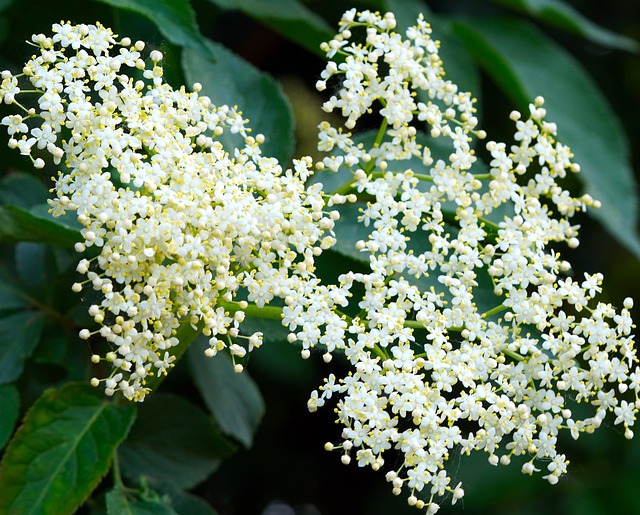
[[471, 334], [465, 331], [176, 224]]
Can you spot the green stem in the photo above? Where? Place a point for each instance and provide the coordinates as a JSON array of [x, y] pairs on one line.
[[379, 137], [513, 355], [380, 352], [489, 224], [413, 324], [117, 476], [344, 189], [269, 312], [423, 177], [494, 311], [381, 132]]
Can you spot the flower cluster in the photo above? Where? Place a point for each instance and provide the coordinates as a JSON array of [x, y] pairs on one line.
[[181, 224], [466, 331], [471, 335]]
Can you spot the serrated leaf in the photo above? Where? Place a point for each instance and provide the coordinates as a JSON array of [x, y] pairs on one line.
[[228, 79], [564, 16], [9, 409], [22, 190], [175, 19], [61, 451], [290, 18], [19, 336], [233, 399], [118, 503], [525, 64], [173, 443], [17, 224]]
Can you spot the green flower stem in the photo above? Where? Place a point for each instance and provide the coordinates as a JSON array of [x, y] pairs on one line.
[[380, 352], [381, 132], [493, 227], [494, 311], [253, 311], [186, 334], [423, 177], [413, 324], [513, 355], [115, 468], [379, 137], [275, 313], [344, 189]]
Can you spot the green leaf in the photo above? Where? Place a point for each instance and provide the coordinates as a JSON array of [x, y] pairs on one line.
[[118, 503], [17, 224], [11, 297], [173, 443], [185, 503], [406, 12], [32, 266], [39, 269], [525, 64], [349, 231], [9, 409], [19, 335], [233, 399], [52, 348], [61, 451], [564, 16], [185, 334], [228, 79], [456, 59], [290, 18], [277, 358], [175, 19], [22, 190], [5, 3]]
